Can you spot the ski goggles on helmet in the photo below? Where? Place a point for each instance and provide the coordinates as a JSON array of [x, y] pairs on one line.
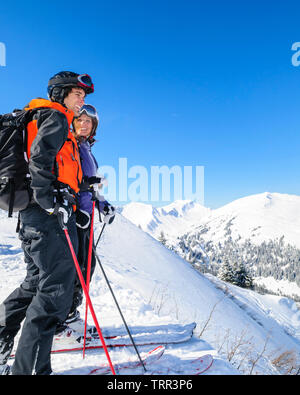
[[85, 81], [89, 110]]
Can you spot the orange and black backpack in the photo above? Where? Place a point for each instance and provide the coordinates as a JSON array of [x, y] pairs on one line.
[[14, 174], [17, 132]]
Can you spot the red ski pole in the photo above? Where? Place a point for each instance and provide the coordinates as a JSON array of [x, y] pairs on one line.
[[88, 274], [86, 293]]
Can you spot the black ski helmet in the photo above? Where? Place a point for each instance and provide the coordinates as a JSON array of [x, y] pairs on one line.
[[67, 79]]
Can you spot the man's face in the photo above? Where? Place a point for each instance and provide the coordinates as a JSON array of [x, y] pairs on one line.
[[75, 100]]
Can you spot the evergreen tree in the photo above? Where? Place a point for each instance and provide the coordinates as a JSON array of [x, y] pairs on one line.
[[242, 277], [162, 238], [226, 272]]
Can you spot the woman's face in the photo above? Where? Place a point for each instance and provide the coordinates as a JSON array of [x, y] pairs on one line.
[[83, 126]]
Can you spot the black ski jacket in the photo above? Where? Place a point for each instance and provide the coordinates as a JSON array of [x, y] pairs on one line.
[[53, 131]]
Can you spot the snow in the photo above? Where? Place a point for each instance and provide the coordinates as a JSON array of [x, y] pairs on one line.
[[244, 331], [174, 219], [259, 217], [283, 287]]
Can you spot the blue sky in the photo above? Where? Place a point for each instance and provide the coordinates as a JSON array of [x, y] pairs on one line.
[[181, 82]]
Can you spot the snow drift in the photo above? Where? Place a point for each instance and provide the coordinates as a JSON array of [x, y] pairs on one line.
[[155, 286]]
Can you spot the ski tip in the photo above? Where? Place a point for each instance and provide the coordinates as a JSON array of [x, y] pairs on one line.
[[205, 362], [157, 350]]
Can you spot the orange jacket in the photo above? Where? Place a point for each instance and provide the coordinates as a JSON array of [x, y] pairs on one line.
[[68, 168]]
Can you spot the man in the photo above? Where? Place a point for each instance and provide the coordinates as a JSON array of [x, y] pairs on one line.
[[45, 295]]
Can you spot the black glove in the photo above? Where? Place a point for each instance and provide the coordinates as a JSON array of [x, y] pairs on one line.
[[109, 213], [63, 208], [83, 219], [88, 182], [63, 213]]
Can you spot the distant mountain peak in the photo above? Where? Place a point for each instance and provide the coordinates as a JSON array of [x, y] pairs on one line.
[[173, 219], [263, 216]]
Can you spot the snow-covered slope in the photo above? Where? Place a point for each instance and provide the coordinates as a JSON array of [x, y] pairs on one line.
[[154, 285], [258, 217]]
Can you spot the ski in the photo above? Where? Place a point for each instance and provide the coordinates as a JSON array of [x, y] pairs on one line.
[[194, 367], [202, 364], [191, 367], [167, 329], [148, 359], [145, 338], [118, 337], [95, 344]]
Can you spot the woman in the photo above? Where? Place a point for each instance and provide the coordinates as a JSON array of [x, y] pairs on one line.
[[84, 130]]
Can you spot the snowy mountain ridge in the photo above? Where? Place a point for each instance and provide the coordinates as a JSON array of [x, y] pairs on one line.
[[259, 217], [174, 219]]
